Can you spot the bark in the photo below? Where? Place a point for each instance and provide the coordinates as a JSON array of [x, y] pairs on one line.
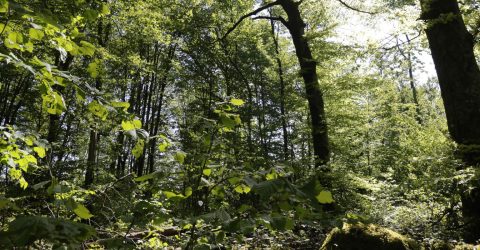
[[459, 77], [92, 158], [283, 117], [308, 67]]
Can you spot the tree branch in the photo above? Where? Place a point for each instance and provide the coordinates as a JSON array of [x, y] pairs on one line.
[[249, 15], [274, 18], [398, 45], [356, 9]]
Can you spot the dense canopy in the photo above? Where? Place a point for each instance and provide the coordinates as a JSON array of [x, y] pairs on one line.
[[222, 124]]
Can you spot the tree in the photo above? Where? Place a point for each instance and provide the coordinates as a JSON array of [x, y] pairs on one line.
[[459, 76], [308, 70]]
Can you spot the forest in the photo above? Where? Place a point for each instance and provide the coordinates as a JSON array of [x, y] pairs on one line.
[[240, 124]]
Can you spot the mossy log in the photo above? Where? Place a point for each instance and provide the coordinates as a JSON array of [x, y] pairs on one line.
[[361, 236]]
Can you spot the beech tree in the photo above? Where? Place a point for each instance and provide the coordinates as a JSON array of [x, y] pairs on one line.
[[459, 77]]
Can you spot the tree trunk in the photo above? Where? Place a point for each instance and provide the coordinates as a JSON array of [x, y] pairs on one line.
[[459, 77], [308, 67], [282, 94]]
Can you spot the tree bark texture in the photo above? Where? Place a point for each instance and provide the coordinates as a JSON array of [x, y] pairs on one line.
[[451, 46], [308, 66]]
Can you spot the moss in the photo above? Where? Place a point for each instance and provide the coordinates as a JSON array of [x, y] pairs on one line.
[[360, 236]]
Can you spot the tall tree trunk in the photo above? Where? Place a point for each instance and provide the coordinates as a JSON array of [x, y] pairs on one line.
[[412, 84], [54, 122], [282, 94], [308, 67], [459, 77]]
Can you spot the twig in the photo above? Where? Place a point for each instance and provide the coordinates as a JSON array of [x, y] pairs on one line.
[[249, 15], [356, 9], [274, 18]]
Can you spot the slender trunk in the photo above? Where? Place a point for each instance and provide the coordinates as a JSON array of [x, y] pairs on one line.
[[283, 117], [91, 160], [308, 67], [54, 122]]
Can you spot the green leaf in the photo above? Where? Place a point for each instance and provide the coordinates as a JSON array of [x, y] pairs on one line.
[[98, 110], [28, 47], [15, 173], [35, 34], [105, 9], [81, 211], [325, 197], [123, 105], [148, 176], [40, 151], [163, 146], [93, 68], [207, 171], [25, 230], [180, 157], [127, 125], [188, 191], [3, 6], [137, 124], [53, 103], [281, 222], [23, 183], [237, 102], [172, 195], [87, 48], [31, 159], [242, 189], [137, 151], [13, 40], [272, 175]]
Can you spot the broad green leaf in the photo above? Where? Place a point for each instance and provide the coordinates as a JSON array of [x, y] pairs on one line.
[[137, 124], [145, 177], [148, 176], [3, 6], [137, 151], [93, 68], [272, 175], [127, 125], [35, 34], [163, 146], [171, 195], [27, 229], [23, 183], [325, 197], [15, 173], [31, 159], [123, 105], [28, 47], [242, 189], [188, 191], [40, 151], [53, 103], [105, 9], [29, 140], [13, 40], [281, 222], [87, 48], [81, 211], [98, 110], [234, 180], [237, 102], [23, 164], [180, 157], [207, 171]]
